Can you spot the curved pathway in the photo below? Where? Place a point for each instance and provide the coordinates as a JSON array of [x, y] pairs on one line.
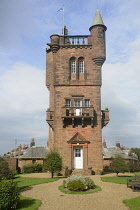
[[110, 198]]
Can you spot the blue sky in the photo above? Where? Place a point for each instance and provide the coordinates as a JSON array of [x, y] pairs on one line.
[[26, 27]]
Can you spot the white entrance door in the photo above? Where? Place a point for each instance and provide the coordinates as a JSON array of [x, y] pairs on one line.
[[78, 157], [78, 103]]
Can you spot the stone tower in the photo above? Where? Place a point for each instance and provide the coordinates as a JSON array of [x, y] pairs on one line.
[[74, 80]]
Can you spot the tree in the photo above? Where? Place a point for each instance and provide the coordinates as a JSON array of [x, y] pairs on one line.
[[53, 162], [136, 151], [118, 165]]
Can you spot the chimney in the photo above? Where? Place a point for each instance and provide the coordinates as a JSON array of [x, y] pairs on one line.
[[32, 143], [117, 144], [104, 143]]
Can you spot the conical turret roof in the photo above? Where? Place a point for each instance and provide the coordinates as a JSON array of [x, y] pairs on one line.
[[97, 20]]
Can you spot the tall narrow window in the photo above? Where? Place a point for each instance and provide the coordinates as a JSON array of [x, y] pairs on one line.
[[68, 102], [73, 65], [87, 102], [81, 65]]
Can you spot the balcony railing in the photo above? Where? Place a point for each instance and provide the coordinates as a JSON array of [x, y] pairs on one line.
[[76, 40], [77, 112]]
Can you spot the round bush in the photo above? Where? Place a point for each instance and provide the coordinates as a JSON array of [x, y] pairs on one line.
[[77, 177], [76, 186], [9, 195]]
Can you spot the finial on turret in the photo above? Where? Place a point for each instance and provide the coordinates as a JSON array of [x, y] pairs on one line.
[[97, 20]]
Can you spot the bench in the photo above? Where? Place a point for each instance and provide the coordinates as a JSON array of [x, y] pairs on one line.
[[134, 183]]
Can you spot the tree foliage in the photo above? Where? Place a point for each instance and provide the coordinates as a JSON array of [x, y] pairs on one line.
[[53, 162], [136, 151], [118, 165]]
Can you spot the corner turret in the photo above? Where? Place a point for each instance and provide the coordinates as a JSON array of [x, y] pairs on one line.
[[97, 31], [97, 21]]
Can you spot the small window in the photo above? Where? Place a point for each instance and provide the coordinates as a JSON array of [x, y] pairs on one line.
[[77, 103], [68, 102], [87, 102], [81, 66], [77, 152], [73, 66], [33, 160]]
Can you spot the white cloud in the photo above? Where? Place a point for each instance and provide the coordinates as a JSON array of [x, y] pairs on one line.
[[23, 88], [24, 100], [120, 93]]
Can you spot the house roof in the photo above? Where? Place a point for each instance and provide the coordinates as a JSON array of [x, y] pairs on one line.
[[112, 152], [35, 152]]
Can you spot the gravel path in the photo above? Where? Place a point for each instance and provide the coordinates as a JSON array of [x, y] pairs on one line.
[[110, 198]]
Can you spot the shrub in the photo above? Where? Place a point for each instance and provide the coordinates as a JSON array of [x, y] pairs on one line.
[[4, 169], [88, 182], [9, 195], [32, 168], [76, 186], [77, 177]]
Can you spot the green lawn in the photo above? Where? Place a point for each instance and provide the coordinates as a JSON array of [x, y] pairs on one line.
[[29, 203], [134, 203], [28, 181], [118, 180]]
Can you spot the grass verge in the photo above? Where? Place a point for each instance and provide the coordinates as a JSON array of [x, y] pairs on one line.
[[29, 181], [64, 190], [118, 180], [28, 203], [133, 203]]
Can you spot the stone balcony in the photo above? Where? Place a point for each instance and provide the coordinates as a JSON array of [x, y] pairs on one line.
[[105, 117], [77, 112], [74, 113]]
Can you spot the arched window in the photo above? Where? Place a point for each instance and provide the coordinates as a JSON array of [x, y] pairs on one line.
[[81, 65], [73, 65]]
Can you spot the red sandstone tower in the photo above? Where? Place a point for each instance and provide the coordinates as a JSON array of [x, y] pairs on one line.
[[74, 80]]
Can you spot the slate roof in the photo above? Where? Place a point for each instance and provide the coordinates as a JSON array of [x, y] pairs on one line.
[[35, 152], [112, 152], [97, 19]]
